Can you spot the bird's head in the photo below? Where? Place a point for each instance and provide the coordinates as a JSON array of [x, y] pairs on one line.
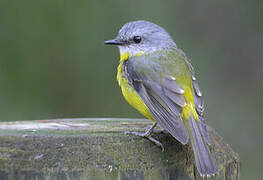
[[139, 37]]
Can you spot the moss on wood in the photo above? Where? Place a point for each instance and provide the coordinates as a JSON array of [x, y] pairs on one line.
[[100, 149]]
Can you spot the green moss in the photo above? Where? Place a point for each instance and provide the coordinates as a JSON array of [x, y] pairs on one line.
[[107, 154]]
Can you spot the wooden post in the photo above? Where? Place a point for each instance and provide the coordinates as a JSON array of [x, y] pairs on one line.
[[97, 148]]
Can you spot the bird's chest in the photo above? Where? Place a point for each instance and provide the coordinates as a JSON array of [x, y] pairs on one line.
[[129, 92]]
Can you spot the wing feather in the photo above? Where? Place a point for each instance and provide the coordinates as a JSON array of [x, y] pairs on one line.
[[176, 98], [165, 116], [171, 84], [164, 101], [199, 106]]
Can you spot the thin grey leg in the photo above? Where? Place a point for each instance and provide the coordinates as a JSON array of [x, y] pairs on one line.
[[147, 135]]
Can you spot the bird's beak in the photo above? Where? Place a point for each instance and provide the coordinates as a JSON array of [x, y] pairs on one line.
[[113, 42]]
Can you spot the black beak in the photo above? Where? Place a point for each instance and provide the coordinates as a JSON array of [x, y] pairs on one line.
[[113, 42]]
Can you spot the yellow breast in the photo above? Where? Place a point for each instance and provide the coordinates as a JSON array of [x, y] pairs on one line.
[[129, 93]]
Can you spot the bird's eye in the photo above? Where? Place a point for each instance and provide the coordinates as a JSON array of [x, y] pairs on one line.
[[137, 39]]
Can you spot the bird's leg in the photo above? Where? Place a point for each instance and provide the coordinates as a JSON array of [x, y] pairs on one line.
[[147, 135]]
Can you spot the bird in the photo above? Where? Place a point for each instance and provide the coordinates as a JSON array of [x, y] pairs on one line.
[[158, 80]]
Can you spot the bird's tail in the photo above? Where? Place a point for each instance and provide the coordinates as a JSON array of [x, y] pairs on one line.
[[205, 163]]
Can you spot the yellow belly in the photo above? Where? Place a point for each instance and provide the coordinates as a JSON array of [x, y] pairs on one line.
[[131, 95]]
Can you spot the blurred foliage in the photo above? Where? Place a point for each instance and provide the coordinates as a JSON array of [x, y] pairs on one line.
[[53, 62]]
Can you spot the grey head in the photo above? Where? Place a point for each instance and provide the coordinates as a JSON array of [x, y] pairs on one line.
[[141, 37]]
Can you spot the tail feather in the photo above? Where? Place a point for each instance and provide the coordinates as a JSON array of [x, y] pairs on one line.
[[203, 128], [205, 163]]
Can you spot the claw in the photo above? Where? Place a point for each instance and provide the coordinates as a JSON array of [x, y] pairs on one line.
[[156, 142], [147, 135]]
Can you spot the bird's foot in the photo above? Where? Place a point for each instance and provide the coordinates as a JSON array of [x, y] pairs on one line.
[[148, 135]]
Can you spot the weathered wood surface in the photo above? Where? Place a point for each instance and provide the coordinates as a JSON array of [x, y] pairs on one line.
[[98, 149]]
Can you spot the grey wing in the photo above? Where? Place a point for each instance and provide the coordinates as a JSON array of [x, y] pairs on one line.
[[199, 106], [164, 100]]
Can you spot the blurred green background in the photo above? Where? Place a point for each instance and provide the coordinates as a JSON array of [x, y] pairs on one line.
[[53, 63]]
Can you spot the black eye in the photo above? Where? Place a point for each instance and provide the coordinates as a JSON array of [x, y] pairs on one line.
[[137, 39]]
